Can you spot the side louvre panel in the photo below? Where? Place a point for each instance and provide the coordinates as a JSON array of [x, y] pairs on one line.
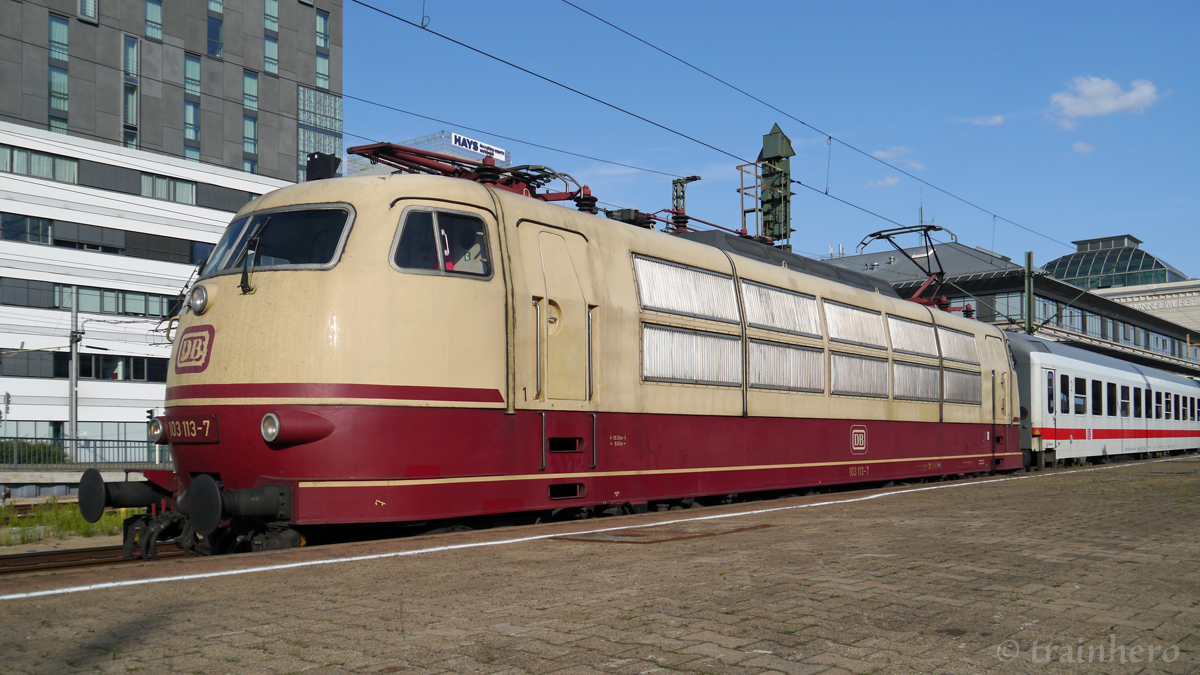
[[776, 366], [685, 290], [916, 382], [912, 337], [693, 357], [776, 309], [858, 375], [963, 387], [854, 325], [958, 346]]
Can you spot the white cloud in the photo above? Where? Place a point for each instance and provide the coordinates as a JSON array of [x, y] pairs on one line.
[[1096, 97], [1083, 148], [988, 121], [883, 182], [899, 154]]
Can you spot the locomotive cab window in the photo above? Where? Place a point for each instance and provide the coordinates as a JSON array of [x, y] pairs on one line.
[[306, 238], [442, 242]]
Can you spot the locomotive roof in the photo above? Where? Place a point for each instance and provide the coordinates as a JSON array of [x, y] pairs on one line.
[[752, 249], [1027, 343]]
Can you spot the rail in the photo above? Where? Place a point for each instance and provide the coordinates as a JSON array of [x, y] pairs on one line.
[[58, 454]]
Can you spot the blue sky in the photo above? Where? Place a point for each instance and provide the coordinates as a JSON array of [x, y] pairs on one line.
[[1076, 120]]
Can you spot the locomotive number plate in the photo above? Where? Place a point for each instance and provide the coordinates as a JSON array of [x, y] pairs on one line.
[[192, 429]]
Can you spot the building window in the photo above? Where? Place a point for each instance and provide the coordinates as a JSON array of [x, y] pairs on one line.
[[250, 135], [249, 166], [191, 74], [215, 30], [58, 125], [271, 15], [154, 19], [130, 59], [59, 26], [38, 164], [271, 55], [14, 227], [250, 90], [216, 6], [191, 120], [191, 154], [130, 117], [322, 29], [323, 71], [87, 9], [171, 189], [58, 88], [319, 115]]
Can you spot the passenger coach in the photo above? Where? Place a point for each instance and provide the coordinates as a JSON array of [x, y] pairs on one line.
[[1080, 405]]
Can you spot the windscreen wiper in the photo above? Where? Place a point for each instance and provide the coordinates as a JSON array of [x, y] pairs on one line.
[[252, 243]]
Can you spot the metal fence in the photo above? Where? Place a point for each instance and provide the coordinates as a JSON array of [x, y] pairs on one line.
[[57, 454]]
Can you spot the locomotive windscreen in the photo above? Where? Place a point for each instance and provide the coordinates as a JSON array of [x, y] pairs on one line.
[[302, 239]]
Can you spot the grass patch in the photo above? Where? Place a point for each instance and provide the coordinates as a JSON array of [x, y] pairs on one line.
[[52, 520]]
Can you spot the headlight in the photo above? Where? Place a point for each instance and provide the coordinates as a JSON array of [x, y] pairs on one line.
[[157, 431], [198, 299], [270, 427]]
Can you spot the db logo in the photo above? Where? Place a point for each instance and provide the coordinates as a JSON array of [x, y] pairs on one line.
[[858, 439], [193, 349]]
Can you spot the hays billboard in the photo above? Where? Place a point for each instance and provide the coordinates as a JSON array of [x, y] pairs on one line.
[[476, 146]]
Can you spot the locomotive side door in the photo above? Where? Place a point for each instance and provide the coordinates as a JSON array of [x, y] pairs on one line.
[[1001, 377], [561, 302]]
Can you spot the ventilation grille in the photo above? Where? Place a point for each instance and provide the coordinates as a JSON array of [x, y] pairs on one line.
[[776, 366], [915, 382], [958, 346], [858, 375], [963, 387], [912, 337], [854, 325], [685, 290], [775, 309], [694, 357]]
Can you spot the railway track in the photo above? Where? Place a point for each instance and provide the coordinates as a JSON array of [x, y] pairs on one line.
[[74, 557]]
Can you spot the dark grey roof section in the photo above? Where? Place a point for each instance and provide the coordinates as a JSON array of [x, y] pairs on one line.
[[773, 256], [958, 262], [1024, 344]]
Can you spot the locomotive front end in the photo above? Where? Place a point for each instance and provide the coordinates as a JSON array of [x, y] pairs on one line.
[[296, 355]]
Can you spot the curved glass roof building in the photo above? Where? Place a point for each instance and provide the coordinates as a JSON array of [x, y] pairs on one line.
[[1110, 262]]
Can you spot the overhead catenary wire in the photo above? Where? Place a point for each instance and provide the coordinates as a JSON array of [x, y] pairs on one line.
[[813, 128]]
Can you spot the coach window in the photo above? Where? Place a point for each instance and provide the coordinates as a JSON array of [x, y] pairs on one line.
[[1112, 399], [1050, 392], [1177, 415], [1149, 404], [1193, 408], [1158, 405], [1064, 394], [1124, 401], [1080, 396], [1097, 397], [452, 243], [1137, 402]]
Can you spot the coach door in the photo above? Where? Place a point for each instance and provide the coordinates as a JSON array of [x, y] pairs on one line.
[[1049, 430]]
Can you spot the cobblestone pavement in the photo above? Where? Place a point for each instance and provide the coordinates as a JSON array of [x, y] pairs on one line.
[[1093, 571]]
